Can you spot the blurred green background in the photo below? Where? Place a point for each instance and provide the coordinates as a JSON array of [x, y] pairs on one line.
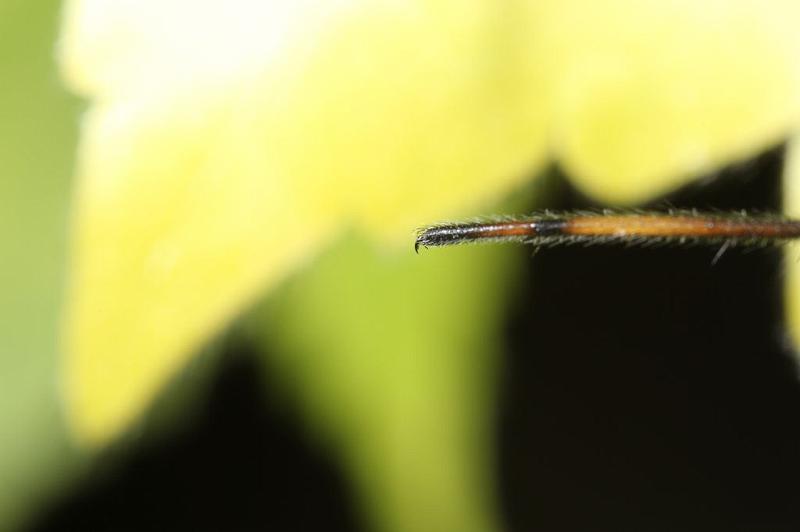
[[38, 134], [623, 390]]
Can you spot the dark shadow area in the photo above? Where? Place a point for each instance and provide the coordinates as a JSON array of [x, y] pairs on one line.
[[241, 467], [649, 390]]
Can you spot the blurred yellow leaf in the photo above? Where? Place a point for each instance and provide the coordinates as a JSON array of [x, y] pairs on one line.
[[652, 94], [227, 142], [203, 184]]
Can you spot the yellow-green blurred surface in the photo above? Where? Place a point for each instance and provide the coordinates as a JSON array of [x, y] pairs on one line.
[[791, 205], [38, 133]]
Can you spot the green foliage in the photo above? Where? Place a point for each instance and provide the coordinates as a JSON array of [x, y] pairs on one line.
[[37, 143], [393, 358]]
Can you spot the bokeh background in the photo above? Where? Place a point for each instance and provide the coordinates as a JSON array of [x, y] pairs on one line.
[[628, 389]]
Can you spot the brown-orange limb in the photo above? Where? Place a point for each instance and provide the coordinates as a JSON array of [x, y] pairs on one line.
[[609, 227]]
